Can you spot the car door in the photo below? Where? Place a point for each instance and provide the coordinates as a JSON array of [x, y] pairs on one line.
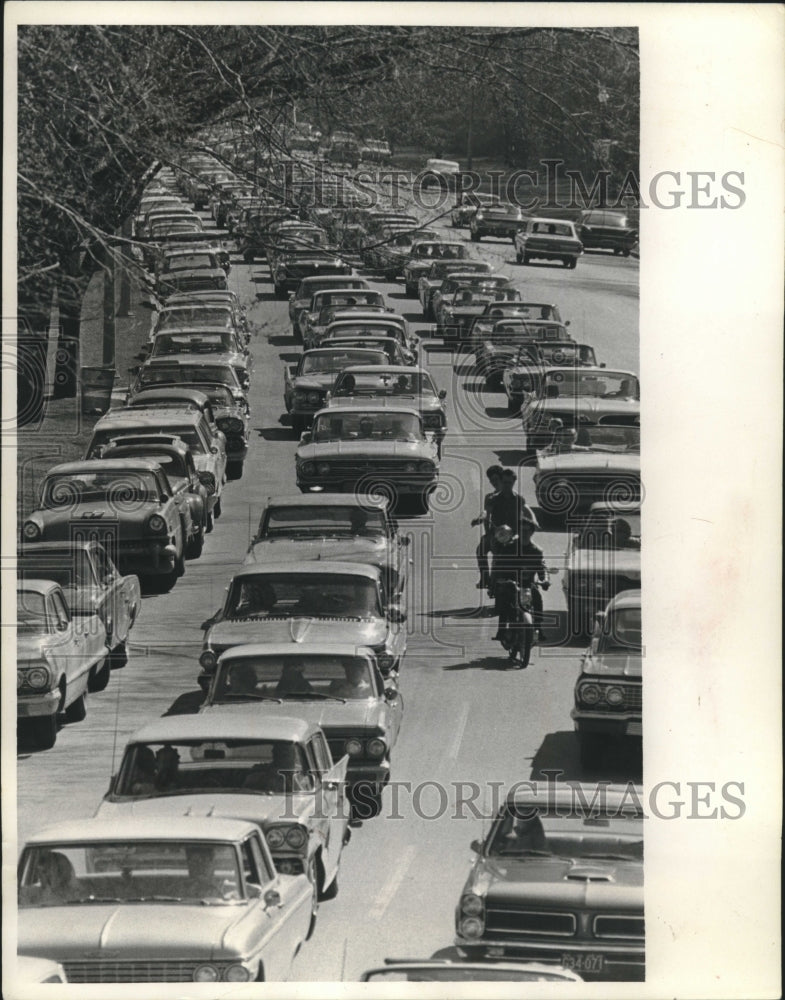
[[82, 642], [393, 715], [114, 606], [331, 801]]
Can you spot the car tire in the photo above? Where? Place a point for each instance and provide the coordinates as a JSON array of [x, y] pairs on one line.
[[77, 710], [234, 469], [514, 404], [519, 257], [209, 521], [41, 731], [217, 509], [625, 253], [526, 258], [298, 426], [475, 236], [194, 548], [280, 291], [331, 891], [118, 657], [248, 257], [572, 262], [411, 293], [591, 748], [99, 675]]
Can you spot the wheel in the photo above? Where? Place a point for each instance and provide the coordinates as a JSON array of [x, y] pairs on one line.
[[179, 566], [99, 675], [519, 256], [298, 426], [625, 253], [332, 889], [118, 657], [77, 710], [572, 262], [280, 291], [248, 256], [41, 731], [234, 468], [475, 237], [513, 404], [592, 749], [525, 642], [194, 548], [209, 522], [217, 509], [390, 275], [526, 258], [411, 292]]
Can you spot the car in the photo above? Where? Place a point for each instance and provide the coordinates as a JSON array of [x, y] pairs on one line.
[[358, 323], [192, 495], [430, 284], [508, 336], [222, 345], [196, 899], [547, 239], [56, 657], [289, 268], [253, 229], [38, 970], [467, 206], [604, 466], [314, 322], [375, 151], [441, 172], [395, 248], [369, 448], [307, 383], [603, 557], [173, 261], [340, 527], [300, 300], [196, 279], [521, 373], [91, 585], [206, 315], [338, 687], [496, 219], [127, 506], [579, 396], [457, 309], [443, 970], [603, 229], [216, 297], [324, 602], [207, 443], [188, 370], [398, 383], [609, 689], [394, 353], [497, 311], [424, 253], [559, 878]]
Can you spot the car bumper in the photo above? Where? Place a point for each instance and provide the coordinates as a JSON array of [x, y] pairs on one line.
[[141, 558], [605, 724], [508, 229], [236, 448], [548, 253], [347, 483], [593, 960], [32, 706]]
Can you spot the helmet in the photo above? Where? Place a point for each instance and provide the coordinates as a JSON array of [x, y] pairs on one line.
[[503, 534]]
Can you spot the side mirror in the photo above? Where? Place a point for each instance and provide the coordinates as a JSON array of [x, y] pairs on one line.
[[396, 615], [390, 693], [272, 898], [305, 437], [254, 890], [212, 621], [442, 394], [476, 846], [207, 479]]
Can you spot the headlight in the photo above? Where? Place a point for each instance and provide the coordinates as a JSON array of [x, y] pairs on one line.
[[353, 747], [31, 531], [230, 424], [299, 397], [275, 838], [38, 678], [314, 398], [307, 468], [471, 927], [614, 696], [156, 524], [208, 660], [237, 974], [589, 694], [472, 906], [323, 468], [205, 974], [410, 467], [296, 837], [582, 583], [432, 420], [376, 748], [426, 466]]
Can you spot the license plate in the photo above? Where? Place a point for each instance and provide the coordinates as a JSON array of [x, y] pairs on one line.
[[634, 729], [587, 962]]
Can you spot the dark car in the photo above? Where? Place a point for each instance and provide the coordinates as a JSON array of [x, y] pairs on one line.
[[601, 229]]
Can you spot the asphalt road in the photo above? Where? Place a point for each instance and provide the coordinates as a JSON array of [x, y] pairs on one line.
[[467, 718]]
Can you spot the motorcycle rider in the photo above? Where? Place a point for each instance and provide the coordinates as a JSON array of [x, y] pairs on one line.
[[494, 476], [521, 560]]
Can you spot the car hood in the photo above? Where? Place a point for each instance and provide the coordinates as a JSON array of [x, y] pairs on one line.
[[251, 806], [588, 406], [31, 647], [577, 883], [367, 632], [353, 549], [369, 451], [306, 382], [626, 562], [365, 714], [614, 665], [589, 461], [128, 930]]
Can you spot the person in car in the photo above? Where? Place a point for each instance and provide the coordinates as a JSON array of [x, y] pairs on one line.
[[355, 685], [292, 680], [283, 773], [57, 879]]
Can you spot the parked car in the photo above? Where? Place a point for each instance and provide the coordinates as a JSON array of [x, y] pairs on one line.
[[300, 300], [194, 899], [547, 239], [398, 384], [127, 506], [213, 296], [186, 369], [605, 468], [603, 229], [430, 285], [56, 657], [200, 315], [253, 229], [358, 323], [443, 970], [559, 878], [394, 353], [603, 558], [395, 249], [441, 172], [369, 448], [196, 279], [333, 527], [497, 219], [467, 206], [424, 253], [337, 687], [307, 383], [321, 602], [609, 689], [290, 268], [92, 585]]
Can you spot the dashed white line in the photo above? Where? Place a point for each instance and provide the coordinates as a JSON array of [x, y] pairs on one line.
[[460, 726], [392, 885]]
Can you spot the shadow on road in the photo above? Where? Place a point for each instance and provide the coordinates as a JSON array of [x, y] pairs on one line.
[[284, 340], [187, 703], [559, 756], [275, 433], [500, 662]]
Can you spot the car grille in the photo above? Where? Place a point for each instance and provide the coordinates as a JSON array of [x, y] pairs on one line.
[[336, 739], [633, 698], [513, 921], [165, 970], [379, 466], [619, 926]]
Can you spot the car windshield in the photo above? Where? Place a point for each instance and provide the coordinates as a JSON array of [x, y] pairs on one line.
[[165, 375], [346, 520], [295, 675], [347, 299], [336, 361], [363, 426], [187, 432], [309, 288], [302, 595], [542, 226], [186, 262], [480, 295], [609, 437], [219, 395], [443, 268], [192, 343], [609, 529], [440, 251], [127, 871], [171, 462], [190, 315], [121, 489], [607, 219], [31, 611], [601, 385], [385, 383], [622, 631], [533, 832]]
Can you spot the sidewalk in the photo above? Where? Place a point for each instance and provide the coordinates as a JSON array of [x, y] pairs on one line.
[[63, 432]]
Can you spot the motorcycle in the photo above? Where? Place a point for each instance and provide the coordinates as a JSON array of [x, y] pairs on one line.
[[515, 602]]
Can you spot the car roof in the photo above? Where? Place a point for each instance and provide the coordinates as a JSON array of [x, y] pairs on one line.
[[614, 507], [243, 722], [372, 406], [386, 369], [328, 499], [323, 567], [38, 586], [34, 548], [565, 796], [104, 465], [134, 415], [171, 392], [197, 360], [257, 649], [175, 828], [589, 369], [161, 442], [545, 218], [202, 330], [624, 599]]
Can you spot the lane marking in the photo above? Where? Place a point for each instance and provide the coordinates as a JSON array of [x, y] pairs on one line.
[[457, 739], [391, 886]]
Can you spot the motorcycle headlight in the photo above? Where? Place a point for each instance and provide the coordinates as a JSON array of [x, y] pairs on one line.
[[275, 838], [205, 974], [353, 747], [376, 747], [31, 531], [614, 696], [156, 525], [323, 468], [237, 974], [589, 694]]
